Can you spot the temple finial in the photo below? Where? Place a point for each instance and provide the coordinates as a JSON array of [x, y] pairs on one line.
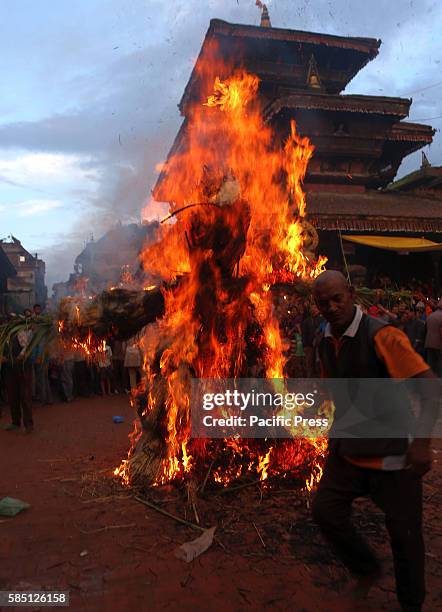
[[313, 78], [265, 17], [425, 163]]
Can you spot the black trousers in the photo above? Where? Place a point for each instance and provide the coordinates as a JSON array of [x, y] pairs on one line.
[[19, 383], [81, 379], [119, 376], [399, 494]]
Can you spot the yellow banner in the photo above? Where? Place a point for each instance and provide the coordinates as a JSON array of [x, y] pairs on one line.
[[396, 243]]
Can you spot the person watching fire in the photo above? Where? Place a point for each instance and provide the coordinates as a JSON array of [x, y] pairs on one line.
[[104, 362], [355, 345], [19, 378]]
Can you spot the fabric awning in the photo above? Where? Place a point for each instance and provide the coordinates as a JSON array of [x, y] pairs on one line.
[[396, 243]]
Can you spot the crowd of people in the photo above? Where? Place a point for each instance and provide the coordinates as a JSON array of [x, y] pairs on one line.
[[61, 372], [67, 372], [302, 327], [113, 368], [421, 289]]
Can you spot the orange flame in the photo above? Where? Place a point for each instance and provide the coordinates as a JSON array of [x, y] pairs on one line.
[[240, 211]]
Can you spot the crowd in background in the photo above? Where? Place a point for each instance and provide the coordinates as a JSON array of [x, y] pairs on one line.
[[60, 373], [72, 372], [302, 326], [420, 289], [65, 373]]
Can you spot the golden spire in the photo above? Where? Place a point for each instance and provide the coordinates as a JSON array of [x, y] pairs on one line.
[[265, 17], [313, 78], [425, 163]]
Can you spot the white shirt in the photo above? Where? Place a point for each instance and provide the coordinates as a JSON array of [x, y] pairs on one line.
[[351, 330]]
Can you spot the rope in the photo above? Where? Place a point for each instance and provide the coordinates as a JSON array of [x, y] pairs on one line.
[[175, 212], [344, 258]]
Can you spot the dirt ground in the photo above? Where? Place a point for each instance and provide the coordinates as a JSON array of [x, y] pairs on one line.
[[85, 534]]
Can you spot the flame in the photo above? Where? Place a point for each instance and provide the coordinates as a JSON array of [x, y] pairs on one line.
[[122, 473], [90, 346], [263, 463], [240, 228], [233, 95]]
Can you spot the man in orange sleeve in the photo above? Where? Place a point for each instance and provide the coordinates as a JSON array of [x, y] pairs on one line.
[[389, 471]]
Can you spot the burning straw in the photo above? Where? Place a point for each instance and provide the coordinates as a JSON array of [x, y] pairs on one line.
[[218, 263]]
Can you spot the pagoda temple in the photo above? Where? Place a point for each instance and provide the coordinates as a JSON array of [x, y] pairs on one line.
[[360, 140]]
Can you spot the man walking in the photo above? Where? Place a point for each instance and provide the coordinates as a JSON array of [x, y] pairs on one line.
[[355, 345]]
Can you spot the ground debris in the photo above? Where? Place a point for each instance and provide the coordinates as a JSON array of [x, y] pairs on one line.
[[191, 550]]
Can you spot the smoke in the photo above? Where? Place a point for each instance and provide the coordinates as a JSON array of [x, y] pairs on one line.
[[114, 103]]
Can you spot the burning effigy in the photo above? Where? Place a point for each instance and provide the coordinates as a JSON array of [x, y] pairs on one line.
[[236, 229], [204, 305]]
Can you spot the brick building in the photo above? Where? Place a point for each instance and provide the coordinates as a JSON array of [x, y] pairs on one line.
[[22, 277]]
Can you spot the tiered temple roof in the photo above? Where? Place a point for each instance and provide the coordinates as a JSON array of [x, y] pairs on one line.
[[359, 140], [280, 57], [427, 181], [374, 211]]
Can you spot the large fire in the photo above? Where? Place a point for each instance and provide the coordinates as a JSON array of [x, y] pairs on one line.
[[240, 228]]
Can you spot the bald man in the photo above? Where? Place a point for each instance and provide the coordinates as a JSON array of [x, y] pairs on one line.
[[355, 345]]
